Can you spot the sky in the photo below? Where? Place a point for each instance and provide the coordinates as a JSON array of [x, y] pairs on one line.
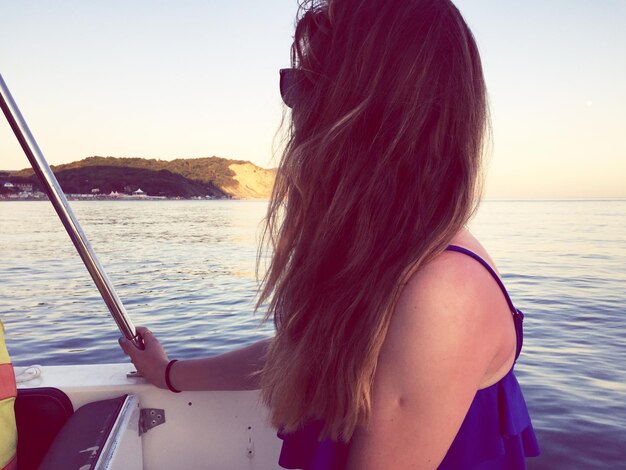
[[184, 79]]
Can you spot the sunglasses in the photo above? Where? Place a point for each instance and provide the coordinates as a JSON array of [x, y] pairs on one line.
[[289, 85]]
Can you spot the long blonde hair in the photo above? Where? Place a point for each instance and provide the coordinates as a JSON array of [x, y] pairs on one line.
[[379, 172]]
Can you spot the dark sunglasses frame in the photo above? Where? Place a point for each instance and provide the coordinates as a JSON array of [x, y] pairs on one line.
[[289, 85]]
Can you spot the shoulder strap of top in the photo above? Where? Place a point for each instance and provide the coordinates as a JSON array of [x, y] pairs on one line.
[[465, 251], [518, 316]]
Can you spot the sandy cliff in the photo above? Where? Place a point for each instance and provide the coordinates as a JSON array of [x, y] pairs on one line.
[[251, 182]]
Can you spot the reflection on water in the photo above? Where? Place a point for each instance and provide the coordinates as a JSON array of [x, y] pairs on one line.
[[186, 268]]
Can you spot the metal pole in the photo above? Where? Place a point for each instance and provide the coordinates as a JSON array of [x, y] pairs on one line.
[[54, 192]]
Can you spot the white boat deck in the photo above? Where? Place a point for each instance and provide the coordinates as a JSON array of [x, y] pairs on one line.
[[202, 430]]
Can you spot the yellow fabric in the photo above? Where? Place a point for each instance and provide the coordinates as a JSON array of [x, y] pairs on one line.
[[8, 431], [4, 354]]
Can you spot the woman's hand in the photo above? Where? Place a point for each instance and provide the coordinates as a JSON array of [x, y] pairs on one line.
[[151, 361]]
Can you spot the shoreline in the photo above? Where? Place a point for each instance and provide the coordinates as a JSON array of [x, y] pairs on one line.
[[90, 197], [127, 199]]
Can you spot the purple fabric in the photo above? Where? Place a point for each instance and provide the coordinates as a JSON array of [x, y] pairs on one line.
[[496, 433], [303, 450]]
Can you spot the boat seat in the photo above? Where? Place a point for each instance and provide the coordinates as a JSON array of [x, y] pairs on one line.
[[99, 435], [40, 413]]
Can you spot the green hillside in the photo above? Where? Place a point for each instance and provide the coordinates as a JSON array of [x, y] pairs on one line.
[[177, 178]]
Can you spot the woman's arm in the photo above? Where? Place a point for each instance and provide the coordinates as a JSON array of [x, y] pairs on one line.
[[234, 370], [450, 330]]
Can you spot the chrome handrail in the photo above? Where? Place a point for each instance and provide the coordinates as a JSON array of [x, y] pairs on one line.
[[73, 228]]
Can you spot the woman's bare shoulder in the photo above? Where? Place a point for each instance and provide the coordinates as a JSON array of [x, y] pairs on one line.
[[453, 279], [454, 294], [440, 347], [455, 299], [450, 334]]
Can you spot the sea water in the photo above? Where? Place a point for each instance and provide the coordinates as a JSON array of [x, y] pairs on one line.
[[187, 270]]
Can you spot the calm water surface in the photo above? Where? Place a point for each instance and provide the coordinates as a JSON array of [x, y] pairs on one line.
[[186, 269]]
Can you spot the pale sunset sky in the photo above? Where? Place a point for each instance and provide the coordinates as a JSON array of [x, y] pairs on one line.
[[164, 79]]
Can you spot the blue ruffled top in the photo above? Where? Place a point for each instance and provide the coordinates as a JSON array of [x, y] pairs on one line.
[[496, 433]]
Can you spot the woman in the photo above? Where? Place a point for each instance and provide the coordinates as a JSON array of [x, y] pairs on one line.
[[395, 340]]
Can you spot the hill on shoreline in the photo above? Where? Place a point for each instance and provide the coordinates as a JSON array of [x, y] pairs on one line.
[[184, 177]]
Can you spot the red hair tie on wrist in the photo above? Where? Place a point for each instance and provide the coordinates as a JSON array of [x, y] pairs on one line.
[[167, 376]]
